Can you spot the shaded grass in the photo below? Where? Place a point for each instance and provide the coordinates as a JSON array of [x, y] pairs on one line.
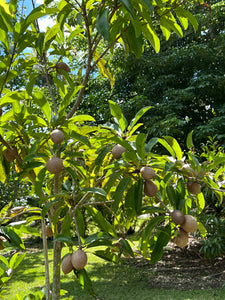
[[110, 281]]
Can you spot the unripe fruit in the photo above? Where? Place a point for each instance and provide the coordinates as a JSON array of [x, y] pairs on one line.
[[57, 136], [62, 66], [147, 172], [48, 231], [54, 165], [150, 188], [79, 259], [190, 224], [9, 154], [67, 266], [194, 188], [181, 240], [177, 217], [117, 151]]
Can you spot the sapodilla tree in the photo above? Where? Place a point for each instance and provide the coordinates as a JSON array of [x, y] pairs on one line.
[[111, 24]]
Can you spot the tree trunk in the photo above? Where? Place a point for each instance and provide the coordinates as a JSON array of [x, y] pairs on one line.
[[56, 270]]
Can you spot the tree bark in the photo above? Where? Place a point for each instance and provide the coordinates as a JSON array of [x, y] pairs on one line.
[[56, 270]]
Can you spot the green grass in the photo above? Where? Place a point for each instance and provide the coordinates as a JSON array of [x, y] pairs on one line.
[[110, 282]]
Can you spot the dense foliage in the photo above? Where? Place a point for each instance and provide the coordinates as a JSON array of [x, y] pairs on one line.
[[76, 177], [184, 82]]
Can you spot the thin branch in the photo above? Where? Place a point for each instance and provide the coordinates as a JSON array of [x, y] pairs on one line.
[[88, 67], [77, 230], [163, 204]]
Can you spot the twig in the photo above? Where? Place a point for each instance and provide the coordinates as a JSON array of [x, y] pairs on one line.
[[77, 230]]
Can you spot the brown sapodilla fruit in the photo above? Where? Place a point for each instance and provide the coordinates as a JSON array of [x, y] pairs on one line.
[[150, 188], [194, 188], [48, 231], [79, 259], [147, 172], [181, 240], [57, 136], [9, 154], [62, 66], [67, 265], [54, 165], [190, 224], [177, 217], [117, 151]]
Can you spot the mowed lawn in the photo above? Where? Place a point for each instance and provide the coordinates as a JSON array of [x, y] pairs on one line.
[[110, 281]]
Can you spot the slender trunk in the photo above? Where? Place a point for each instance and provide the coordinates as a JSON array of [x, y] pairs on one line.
[[57, 248], [45, 247], [56, 270]]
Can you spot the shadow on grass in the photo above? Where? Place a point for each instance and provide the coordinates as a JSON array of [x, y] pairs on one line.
[[109, 281]]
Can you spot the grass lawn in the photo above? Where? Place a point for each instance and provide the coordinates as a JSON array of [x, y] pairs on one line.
[[110, 282]]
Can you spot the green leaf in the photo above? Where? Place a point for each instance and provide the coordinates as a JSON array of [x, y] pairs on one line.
[[175, 146], [44, 105], [162, 240], [85, 281], [144, 241], [117, 196], [101, 221], [140, 145], [94, 238], [95, 190], [167, 146], [189, 141], [200, 202], [81, 138], [15, 260], [118, 115], [152, 36], [37, 13], [14, 238], [138, 195], [50, 35], [130, 202], [126, 248], [80, 222], [128, 6], [64, 239], [102, 24], [107, 255]]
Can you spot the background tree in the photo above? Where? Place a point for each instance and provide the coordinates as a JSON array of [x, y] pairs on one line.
[[183, 83]]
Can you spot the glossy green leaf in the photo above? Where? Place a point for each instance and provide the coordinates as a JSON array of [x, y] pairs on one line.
[[162, 240], [85, 281], [102, 24], [116, 112], [144, 241], [64, 239], [16, 260], [128, 6], [14, 238], [118, 195], [200, 202], [107, 255], [175, 146], [44, 105], [140, 145], [101, 221], [189, 141]]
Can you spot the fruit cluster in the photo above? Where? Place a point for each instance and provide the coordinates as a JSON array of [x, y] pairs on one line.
[[77, 260], [187, 224], [55, 164]]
